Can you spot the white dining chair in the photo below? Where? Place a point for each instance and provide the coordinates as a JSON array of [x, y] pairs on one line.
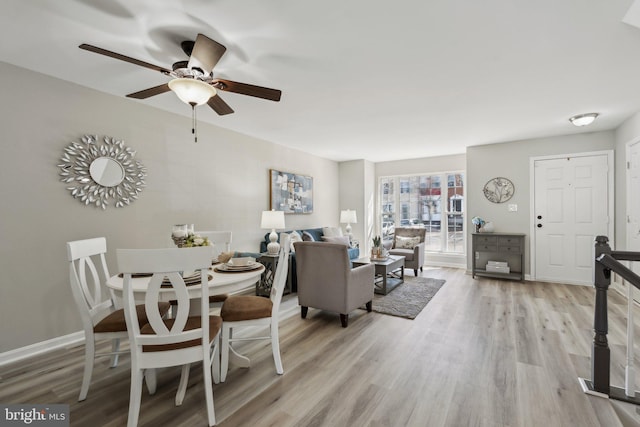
[[101, 320], [180, 340], [249, 310]]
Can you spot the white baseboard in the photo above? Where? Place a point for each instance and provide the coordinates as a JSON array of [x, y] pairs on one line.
[[445, 260], [40, 347]]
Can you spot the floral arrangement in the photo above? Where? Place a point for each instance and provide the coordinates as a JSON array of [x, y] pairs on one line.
[[477, 221], [193, 240], [377, 242]]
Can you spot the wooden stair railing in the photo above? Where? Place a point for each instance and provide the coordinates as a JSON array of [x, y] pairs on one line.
[[605, 262]]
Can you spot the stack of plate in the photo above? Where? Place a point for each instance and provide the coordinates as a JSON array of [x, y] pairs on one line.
[[239, 264], [230, 266], [189, 279]]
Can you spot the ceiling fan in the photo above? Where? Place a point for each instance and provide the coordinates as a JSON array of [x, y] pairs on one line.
[[193, 80]]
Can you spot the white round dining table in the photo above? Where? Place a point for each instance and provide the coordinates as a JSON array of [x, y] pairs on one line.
[[219, 283]]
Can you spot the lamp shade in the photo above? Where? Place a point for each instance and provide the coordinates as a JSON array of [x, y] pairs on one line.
[[348, 217], [272, 220], [192, 91]]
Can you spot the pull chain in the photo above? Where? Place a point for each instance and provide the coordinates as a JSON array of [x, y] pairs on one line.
[[194, 122]]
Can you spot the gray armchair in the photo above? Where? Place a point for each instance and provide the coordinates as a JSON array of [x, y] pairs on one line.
[[414, 255], [326, 280]]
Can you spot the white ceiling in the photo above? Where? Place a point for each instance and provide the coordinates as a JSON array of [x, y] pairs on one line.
[[360, 79]]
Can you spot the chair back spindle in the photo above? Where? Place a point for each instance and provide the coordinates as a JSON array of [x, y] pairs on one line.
[[280, 279]]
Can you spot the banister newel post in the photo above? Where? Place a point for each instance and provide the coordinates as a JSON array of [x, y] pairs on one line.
[[600, 353]]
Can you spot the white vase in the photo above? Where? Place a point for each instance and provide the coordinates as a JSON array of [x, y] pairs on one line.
[[487, 227]]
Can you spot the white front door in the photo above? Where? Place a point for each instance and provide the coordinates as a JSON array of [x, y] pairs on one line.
[[571, 207]]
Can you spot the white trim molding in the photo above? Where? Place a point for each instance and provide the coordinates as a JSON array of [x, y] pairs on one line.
[[41, 347]]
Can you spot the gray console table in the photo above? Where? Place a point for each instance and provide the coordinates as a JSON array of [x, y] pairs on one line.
[[505, 247]]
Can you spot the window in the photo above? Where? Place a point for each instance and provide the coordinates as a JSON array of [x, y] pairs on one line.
[[420, 203], [387, 201]]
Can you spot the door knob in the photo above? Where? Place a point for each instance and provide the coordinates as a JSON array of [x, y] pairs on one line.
[[539, 225], [539, 216]]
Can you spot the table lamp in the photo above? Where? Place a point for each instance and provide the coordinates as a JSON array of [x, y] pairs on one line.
[[271, 220], [348, 217]]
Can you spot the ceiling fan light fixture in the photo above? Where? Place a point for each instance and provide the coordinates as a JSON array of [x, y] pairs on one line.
[[583, 119], [192, 91]]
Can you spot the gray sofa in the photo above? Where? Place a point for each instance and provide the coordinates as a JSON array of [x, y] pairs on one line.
[[326, 280], [316, 234]]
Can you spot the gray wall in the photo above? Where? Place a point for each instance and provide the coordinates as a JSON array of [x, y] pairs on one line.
[[511, 160], [357, 191], [219, 183], [454, 162]]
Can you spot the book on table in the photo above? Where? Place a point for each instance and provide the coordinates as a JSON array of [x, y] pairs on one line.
[[498, 266]]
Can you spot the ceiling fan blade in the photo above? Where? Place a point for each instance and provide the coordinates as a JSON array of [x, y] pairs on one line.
[[219, 106], [247, 89], [147, 93], [124, 58], [205, 54]]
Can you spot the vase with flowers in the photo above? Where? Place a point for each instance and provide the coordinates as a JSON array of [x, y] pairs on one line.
[[478, 222]]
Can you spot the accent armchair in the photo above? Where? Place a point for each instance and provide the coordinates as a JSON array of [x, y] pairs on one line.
[[409, 243], [326, 280]]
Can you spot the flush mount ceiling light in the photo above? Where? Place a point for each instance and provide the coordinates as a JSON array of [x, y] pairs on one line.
[[583, 119]]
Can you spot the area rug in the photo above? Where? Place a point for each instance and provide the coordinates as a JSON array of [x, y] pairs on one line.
[[408, 299]]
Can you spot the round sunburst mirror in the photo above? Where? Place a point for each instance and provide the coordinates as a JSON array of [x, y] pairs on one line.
[[99, 171]]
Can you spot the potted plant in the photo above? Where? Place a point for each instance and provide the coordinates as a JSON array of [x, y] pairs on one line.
[[376, 251]]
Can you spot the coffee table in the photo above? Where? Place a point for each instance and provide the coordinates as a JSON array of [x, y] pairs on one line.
[[389, 272]]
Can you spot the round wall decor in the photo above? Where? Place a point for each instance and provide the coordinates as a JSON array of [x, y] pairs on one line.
[[102, 170], [498, 190]]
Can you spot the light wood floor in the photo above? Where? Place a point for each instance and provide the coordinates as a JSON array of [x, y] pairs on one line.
[[482, 353]]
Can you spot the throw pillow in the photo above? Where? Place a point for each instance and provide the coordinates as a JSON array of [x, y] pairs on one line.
[[294, 236], [407, 242], [344, 240], [332, 231], [307, 237]]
